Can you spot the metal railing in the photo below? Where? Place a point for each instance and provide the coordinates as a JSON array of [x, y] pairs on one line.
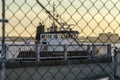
[[38, 51]]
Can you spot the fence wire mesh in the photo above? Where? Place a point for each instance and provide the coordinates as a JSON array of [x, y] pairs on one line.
[[60, 39]]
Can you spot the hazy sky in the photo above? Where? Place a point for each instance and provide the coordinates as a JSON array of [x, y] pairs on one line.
[[90, 17]]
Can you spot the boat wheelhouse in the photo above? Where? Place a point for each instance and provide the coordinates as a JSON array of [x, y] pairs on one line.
[[59, 37], [55, 39]]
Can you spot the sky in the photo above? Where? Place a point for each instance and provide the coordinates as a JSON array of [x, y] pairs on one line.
[[90, 17]]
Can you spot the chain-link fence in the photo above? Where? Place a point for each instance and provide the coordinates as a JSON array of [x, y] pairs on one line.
[[59, 39]]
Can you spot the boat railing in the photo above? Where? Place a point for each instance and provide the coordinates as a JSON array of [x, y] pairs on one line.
[[38, 51]]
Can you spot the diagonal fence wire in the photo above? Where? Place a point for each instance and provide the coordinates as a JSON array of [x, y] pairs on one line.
[[104, 17]]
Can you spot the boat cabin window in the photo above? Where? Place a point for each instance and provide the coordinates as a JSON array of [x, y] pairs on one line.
[[55, 36], [44, 42], [60, 36], [43, 36], [65, 36], [49, 36]]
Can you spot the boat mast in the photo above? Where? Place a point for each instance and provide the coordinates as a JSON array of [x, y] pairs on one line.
[[53, 24], [53, 13]]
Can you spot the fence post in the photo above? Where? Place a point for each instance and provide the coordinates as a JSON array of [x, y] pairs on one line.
[[65, 52], [117, 64], [3, 41], [93, 50], [38, 52], [89, 51], [109, 51], [3, 63]]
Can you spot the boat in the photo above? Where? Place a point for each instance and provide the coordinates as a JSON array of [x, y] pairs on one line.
[[56, 42]]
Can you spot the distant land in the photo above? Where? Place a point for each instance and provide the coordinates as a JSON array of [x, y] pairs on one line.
[[18, 39]]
